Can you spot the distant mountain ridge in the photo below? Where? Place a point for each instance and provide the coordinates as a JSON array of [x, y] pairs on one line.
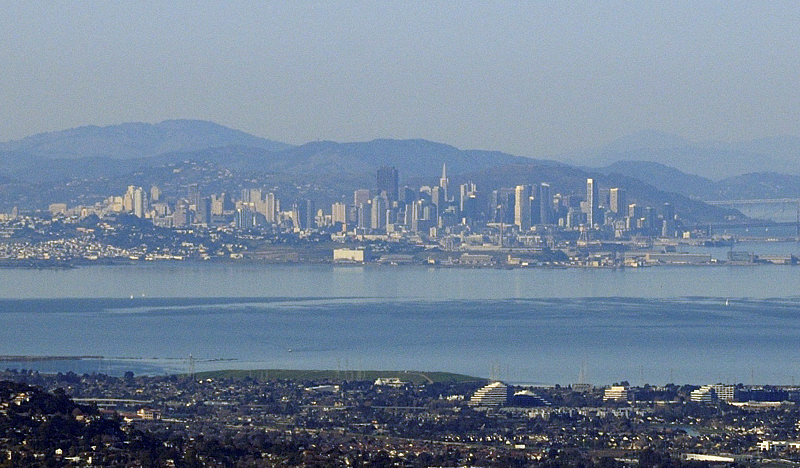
[[710, 159], [664, 177], [135, 140], [746, 186], [412, 158], [123, 154]]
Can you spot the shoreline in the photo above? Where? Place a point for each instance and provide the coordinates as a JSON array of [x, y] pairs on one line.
[[50, 265]]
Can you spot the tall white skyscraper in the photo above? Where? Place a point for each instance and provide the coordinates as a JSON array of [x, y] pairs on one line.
[[139, 202], [339, 213], [272, 207], [522, 207], [444, 181], [591, 202], [616, 200]]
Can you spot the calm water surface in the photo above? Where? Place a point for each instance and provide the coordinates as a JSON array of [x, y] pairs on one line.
[[681, 324]]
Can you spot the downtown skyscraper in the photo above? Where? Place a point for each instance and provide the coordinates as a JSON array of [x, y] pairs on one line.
[[387, 182], [591, 203]]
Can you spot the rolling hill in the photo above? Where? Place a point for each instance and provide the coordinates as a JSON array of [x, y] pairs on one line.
[[134, 140]]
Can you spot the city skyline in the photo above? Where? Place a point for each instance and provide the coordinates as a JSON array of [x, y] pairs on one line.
[[376, 233]]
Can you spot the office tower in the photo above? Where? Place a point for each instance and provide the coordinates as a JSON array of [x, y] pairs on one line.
[[361, 196], [423, 215], [444, 182], [616, 200], [535, 212], [127, 199], [615, 393], [469, 209], [668, 221], [308, 220], [259, 205], [416, 213], [155, 194], [303, 214], [339, 213], [464, 192], [216, 205], [352, 215], [501, 205], [575, 218], [181, 217], [545, 204], [271, 208], [227, 203], [493, 394], [409, 195], [321, 219], [591, 203], [255, 196], [364, 212], [522, 207], [634, 215], [408, 209], [667, 229], [193, 193], [244, 218], [387, 182], [437, 197], [139, 202], [378, 214], [204, 211], [668, 211], [634, 211], [650, 219]]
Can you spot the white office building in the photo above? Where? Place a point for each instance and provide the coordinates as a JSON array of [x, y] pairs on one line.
[[494, 394], [616, 393]]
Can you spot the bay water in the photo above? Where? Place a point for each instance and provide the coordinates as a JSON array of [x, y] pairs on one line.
[[663, 324]]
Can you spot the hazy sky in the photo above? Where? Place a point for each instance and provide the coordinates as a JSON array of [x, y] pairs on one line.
[[528, 78]]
